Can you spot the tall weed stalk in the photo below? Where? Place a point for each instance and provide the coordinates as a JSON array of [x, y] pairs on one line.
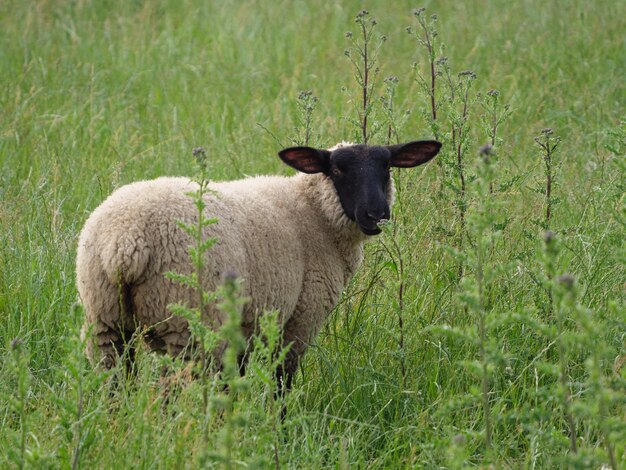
[[548, 143], [204, 330], [230, 402], [426, 36], [306, 103], [363, 53]]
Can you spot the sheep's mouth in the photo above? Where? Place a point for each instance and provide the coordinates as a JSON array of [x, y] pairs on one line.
[[370, 231], [373, 229], [370, 227]]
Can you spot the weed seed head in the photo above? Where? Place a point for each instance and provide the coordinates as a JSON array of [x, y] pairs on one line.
[[459, 439], [566, 280], [360, 17], [493, 92], [348, 34], [307, 95], [392, 80], [419, 11], [547, 131], [485, 152], [467, 73], [200, 155]]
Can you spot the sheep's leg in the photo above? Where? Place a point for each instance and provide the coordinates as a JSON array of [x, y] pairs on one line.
[[287, 370], [102, 348], [108, 322], [242, 361], [293, 337], [249, 330], [284, 377]]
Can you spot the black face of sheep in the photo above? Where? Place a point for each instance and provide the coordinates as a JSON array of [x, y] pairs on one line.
[[360, 174]]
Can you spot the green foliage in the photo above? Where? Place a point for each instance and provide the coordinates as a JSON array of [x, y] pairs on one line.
[[18, 366], [419, 356]]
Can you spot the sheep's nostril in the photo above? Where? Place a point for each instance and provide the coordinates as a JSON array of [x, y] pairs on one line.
[[376, 215]]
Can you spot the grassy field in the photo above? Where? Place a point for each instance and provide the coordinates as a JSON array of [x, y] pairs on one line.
[[469, 337]]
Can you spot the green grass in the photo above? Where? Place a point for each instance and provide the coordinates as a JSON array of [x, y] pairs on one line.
[[96, 94]]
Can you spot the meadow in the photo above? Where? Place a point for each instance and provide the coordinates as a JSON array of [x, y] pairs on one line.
[[487, 325]]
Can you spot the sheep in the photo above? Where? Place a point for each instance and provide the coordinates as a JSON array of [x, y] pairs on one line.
[[294, 241]]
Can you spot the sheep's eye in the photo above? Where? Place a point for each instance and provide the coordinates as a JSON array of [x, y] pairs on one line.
[[336, 171]]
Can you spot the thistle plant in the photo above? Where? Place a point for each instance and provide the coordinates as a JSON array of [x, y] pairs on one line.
[[456, 454], [267, 357], [219, 343], [604, 386], [387, 101], [306, 103], [458, 103], [224, 402], [495, 113], [575, 336], [78, 419], [426, 36], [616, 145], [548, 143], [203, 330], [578, 332], [476, 286], [560, 302], [475, 300], [363, 55], [397, 265], [395, 121], [450, 109], [460, 137]]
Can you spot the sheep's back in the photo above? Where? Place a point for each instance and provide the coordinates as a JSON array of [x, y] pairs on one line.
[[267, 234], [263, 212]]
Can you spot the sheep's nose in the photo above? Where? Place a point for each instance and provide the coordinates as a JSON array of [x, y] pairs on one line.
[[376, 215]]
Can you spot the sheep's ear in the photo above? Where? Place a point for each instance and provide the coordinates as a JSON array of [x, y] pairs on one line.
[[413, 153], [306, 159]]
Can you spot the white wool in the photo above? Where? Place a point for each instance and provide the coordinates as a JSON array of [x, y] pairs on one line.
[[288, 238]]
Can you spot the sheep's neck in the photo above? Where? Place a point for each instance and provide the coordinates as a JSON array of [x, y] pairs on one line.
[[322, 197]]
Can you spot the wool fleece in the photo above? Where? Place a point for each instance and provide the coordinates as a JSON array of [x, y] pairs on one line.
[[287, 238]]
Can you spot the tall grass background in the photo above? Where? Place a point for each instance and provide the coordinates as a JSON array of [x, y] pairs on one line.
[[98, 94]]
